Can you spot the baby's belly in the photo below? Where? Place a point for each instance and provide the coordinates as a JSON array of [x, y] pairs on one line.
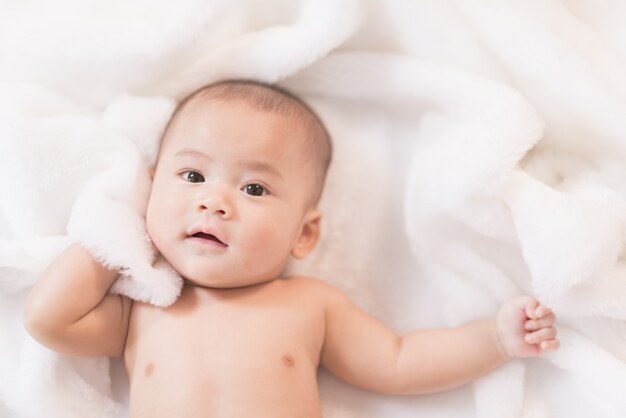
[[220, 363]]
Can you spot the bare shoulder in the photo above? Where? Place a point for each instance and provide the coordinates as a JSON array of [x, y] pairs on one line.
[[310, 283], [323, 291]]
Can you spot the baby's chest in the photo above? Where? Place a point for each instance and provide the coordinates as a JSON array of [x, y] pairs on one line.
[[257, 338]]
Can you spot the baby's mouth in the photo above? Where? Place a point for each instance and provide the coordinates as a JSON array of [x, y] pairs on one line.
[[209, 237]]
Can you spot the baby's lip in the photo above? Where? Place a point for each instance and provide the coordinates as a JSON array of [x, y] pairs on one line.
[[210, 234]]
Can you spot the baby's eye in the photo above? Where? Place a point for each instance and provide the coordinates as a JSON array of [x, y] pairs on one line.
[[254, 189], [192, 176]]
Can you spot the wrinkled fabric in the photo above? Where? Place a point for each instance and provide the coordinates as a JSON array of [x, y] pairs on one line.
[[479, 153]]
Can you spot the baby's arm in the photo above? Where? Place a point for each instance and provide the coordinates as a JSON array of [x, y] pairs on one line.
[[70, 311], [362, 351]]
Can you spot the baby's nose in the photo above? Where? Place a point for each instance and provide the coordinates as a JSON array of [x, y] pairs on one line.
[[216, 204], [215, 207]]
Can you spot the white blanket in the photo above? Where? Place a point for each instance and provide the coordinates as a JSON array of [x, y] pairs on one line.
[[479, 154]]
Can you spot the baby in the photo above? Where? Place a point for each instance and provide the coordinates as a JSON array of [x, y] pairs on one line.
[[239, 174]]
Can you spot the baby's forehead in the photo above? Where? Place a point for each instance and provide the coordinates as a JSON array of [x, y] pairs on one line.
[[205, 123], [208, 110]]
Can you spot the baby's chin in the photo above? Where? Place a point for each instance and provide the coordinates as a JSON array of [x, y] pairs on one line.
[[224, 282], [198, 272]]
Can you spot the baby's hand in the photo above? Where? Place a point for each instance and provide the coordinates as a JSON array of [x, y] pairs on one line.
[[526, 327]]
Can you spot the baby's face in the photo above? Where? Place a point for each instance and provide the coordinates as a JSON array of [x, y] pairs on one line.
[[229, 201]]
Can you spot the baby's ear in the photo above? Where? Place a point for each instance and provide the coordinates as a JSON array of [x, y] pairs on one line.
[[309, 234]]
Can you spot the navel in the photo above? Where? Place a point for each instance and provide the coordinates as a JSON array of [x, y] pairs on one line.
[[149, 369], [288, 360]]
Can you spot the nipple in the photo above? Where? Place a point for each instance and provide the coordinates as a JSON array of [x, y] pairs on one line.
[[288, 360], [149, 369]]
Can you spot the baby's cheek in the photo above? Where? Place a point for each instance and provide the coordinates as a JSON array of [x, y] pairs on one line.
[[266, 239], [150, 222], [155, 235], [158, 223], [270, 243]]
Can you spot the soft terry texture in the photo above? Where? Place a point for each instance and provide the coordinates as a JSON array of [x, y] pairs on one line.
[[479, 154]]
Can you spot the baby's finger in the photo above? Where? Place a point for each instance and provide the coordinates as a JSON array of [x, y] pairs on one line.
[[550, 345], [531, 307], [535, 324], [541, 311], [541, 335]]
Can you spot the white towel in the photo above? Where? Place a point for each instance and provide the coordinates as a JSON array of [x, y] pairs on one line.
[[479, 152]]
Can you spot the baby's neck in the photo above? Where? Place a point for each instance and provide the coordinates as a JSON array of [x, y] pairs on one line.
[[199, 286]]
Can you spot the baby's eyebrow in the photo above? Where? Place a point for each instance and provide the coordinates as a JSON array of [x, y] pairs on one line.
[[252, 165], [193, 153], [262, 167]]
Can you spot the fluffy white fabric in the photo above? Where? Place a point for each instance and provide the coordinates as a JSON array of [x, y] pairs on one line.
[[479, 152]]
